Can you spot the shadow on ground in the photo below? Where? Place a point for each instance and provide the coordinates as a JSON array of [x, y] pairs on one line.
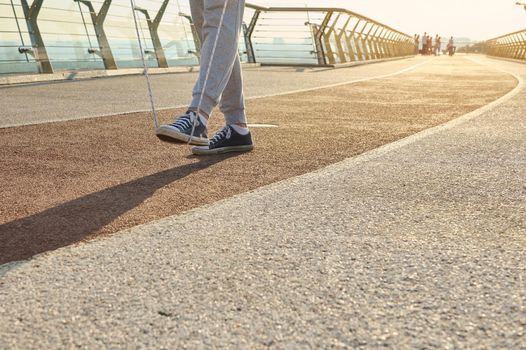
[[55, 228]]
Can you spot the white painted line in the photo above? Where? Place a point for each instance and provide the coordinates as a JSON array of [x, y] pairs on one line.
[[248, 98], [346, 82], [262, 126]]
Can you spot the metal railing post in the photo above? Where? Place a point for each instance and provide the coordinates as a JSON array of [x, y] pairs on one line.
[[404, 46], [195, 36], [523, 44], [376, 51], [330, 51], [494, 47], [153, 27], [363, 46], [319, 35], [512, 45], [396, 48], [98, 23], [367, 41], [318, 47], [248, 37], [517, 46], [501, 47], [390, 44], [342, 36], [38, 49], [409, 46], [509, 46], [381, 43], [399, 46], [396, 45], [506, 47], [351, 43]]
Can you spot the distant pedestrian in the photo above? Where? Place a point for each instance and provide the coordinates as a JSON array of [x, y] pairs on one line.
[[429, 44], [417, 43], [451, 47], [438, 44], [423, 44]]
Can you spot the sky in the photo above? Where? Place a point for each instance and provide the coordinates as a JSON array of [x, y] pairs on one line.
[[475, 19]]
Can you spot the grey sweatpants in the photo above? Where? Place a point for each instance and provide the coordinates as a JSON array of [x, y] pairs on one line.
[[225, 83]]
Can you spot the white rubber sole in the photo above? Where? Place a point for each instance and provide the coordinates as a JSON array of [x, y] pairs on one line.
[[168, 134], [205, 151]]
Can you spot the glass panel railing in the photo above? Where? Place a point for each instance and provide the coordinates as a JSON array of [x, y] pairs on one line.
[[71, 42], [285, 38], [322, 36], [98, 34]]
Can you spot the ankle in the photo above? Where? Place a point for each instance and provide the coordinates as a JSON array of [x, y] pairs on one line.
[[240, 129], [201, 112], [203, 117]]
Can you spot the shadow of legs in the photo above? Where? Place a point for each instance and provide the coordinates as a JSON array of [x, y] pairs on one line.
[[72, 221]]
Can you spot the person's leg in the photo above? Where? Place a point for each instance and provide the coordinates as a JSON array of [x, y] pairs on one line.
[[232, 102], [225, 58], [189, 127], [235, 136], [225, 82], [216, 70]]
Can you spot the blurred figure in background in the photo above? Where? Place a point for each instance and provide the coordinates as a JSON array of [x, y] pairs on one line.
[[417, 44], [451, 47], [438, 44], [424, 44], [429, 45]]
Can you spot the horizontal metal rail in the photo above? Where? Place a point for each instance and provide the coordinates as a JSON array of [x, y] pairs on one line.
[[341, 36], [321, 9], [511, 45]]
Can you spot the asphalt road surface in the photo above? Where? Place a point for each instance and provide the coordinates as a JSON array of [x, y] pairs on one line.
[[417, 244]]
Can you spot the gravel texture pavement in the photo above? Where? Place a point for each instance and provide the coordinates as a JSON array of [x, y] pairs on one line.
[[65, 182], [417, 244]]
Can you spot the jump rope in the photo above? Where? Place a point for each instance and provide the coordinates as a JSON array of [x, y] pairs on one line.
[[147, 76]]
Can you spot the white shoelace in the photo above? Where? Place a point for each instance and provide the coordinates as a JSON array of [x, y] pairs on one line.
[[184, 122], [224, 133]]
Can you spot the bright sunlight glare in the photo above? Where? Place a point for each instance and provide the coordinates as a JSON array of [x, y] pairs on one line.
[[475, 19]]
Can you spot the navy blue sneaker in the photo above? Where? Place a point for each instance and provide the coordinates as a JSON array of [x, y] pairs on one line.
[[226, 140], [180, 130]]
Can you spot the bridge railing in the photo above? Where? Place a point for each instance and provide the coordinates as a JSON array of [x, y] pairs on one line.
[[511, 45], [51, 35], [320, 36], [48, 35]]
